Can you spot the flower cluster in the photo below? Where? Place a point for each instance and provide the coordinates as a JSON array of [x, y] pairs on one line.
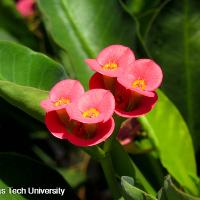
[[83, 118], [121, 84], [132, 82]]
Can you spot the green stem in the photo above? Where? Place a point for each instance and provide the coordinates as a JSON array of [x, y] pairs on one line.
[[125, 166], [95, 152], [118, 122], [105, 160], [109, 173]]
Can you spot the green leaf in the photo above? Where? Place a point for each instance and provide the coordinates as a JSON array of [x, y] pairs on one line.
[[131, 192], [125, 167], [170, 134], [21, 172], [25, 77], [12, 22], [171, 192], [83, 28], [168, 192], [4, 35], [75, 177], [176, 48], [25, 98], [143, 12]]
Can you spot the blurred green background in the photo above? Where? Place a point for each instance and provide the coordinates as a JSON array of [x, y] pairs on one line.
[[167, 31]]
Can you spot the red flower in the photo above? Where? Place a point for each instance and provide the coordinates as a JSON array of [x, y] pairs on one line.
[[144, 77], [112, 61], [60, 97], [131, 104], [62, 94], [25, 7], [90, 119], [134, 90]]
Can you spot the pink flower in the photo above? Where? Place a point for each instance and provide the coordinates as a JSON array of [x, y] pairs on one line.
[[94, 106], [25, 7], [89, 120], [144, 77], [131, 104], [128, 103], [112, 61], [62, 94]]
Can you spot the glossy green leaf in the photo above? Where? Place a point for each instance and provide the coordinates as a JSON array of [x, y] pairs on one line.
[[26, 98], [25, 77], [15, 25], [83, 28], [168, 192], [74, 177], [175, 47], [131, 192], [4, 35], [126, 167], [21, 172], [172, 139], [171, 192]]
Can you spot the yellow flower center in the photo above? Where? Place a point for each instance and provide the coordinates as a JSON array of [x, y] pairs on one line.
[[110, 66], [61, 102], [91, 113], [139, 83]]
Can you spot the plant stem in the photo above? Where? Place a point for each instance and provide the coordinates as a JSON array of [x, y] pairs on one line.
[[118, 122], [95, 152], [109, 173]]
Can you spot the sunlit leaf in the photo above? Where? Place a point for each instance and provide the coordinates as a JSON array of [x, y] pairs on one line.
[[171, 192], [172, 139], [83, 28], [26, 76]]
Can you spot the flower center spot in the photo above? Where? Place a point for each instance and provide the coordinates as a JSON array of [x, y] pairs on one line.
[[139, 83], [91, 113], [61, 101], [110, 66]]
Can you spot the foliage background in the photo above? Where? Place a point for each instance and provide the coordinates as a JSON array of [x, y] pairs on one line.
[[70, 31]]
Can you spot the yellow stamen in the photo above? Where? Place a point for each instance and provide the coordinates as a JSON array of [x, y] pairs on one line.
[[90, 113], [139, 83], [110, 66], [61, 102]]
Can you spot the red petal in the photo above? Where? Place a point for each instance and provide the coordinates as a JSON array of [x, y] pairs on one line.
[[57, 128], [145, 106], [96, 81], [104, 131]]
